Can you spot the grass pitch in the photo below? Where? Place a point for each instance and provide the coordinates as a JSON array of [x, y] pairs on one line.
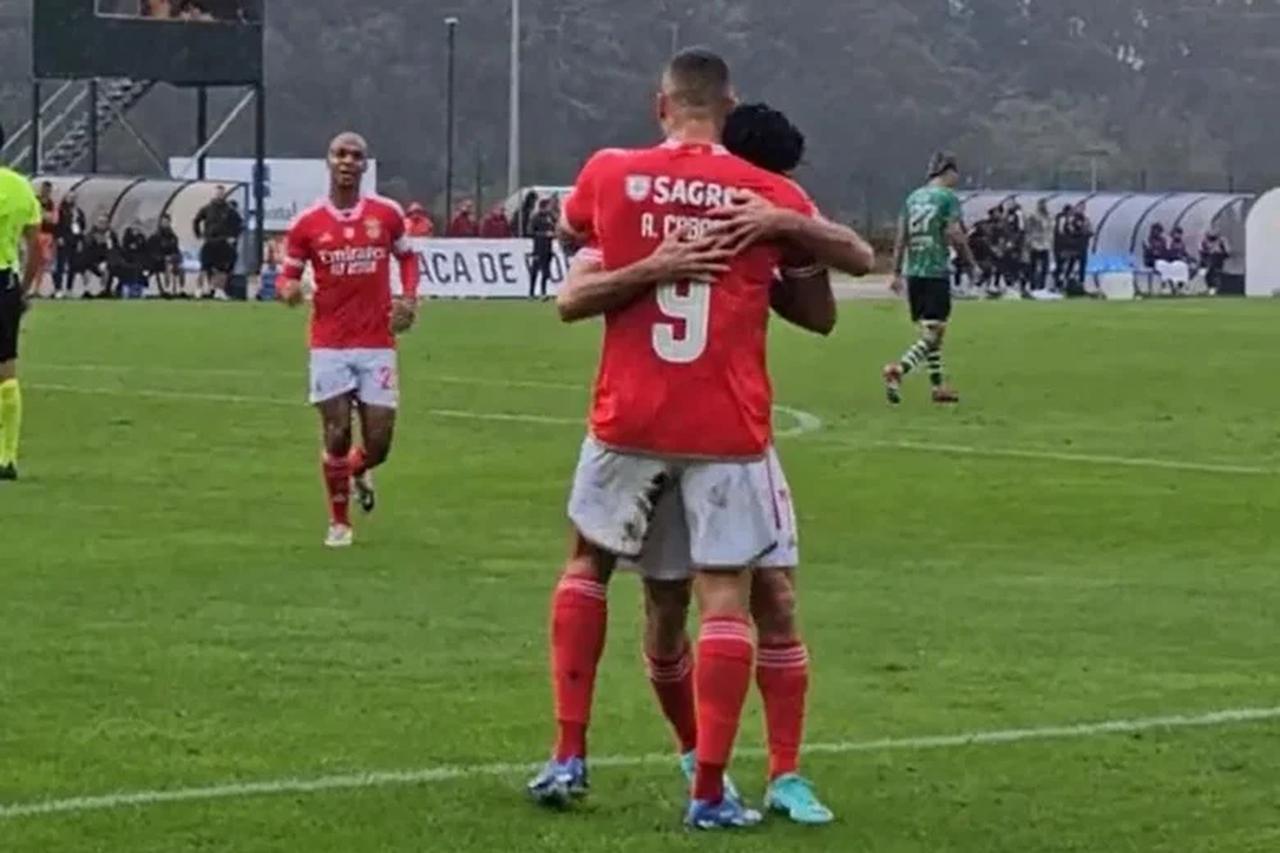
[[1091, 536]]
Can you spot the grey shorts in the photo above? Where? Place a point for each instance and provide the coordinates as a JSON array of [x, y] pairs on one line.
[[711, 514], [667, 553]]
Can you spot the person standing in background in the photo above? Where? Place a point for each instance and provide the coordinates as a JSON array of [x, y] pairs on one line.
[[417, 223], [164, 254], [69, 236], [95, 256], [48, 230], [1061, 248], [218, 224], [20, 227], [464, 223], [1214, 252], [495, 226], [542, 228], [525, 215], [1039, 243], [1082, 237], [133, 263]]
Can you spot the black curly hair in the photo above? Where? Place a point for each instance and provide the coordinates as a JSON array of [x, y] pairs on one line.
[[764, 137]]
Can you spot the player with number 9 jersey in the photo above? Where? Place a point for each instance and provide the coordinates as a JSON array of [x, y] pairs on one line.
[[683, 372]]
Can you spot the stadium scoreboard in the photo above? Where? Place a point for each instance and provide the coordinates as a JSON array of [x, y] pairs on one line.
[[185, 42]]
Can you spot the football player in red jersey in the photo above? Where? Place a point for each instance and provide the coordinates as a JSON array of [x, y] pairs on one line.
[[803, 296], [349, 240], [682, 402]]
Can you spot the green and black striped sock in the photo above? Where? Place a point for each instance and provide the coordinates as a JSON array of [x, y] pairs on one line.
[[915, 356], [936, 374]]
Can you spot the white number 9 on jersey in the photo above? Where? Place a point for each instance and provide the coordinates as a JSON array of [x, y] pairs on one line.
[[693, 309]]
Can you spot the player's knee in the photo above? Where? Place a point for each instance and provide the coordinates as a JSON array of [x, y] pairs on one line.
[[773, 607], [666, 610], [724, 593], [587, 560], [377, 451], [337, 438]]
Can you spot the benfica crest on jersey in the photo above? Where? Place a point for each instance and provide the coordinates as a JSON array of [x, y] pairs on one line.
[[638, 187], [373, 228]]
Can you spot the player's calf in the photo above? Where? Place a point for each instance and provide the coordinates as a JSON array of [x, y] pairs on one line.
[[726, 650], [579, 616], [668, 656]]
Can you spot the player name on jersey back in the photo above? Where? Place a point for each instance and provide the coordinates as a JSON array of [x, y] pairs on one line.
[[683, 370]]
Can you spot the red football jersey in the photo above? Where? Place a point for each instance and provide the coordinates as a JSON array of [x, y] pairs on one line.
[[684, 370], [350, 255]]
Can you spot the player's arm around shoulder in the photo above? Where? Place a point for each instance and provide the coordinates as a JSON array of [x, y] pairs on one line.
[[591, 290], [803, 296], [794, 219]]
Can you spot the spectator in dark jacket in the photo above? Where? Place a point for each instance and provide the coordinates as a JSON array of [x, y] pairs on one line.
[[164, 260], [1214, 252], [131, 262], [95, 257], [524, 218], [1156, 248], [1061, 246], [1081, 240], [1178, 245], [543, 230], [219, 224], [69, 234]]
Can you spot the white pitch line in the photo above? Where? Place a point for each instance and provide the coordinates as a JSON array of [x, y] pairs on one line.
[[805, 422], [1096, 459], [200, 396], [360, 781], [425, 376]]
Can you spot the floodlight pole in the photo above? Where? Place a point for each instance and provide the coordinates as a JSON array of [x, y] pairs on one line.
[[260, 171], [93, 126], [35, 128], [452, 25], [202, 128], [513, 121]]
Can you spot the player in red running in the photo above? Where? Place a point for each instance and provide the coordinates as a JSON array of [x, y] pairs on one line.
[[349, 240], [682, 402]]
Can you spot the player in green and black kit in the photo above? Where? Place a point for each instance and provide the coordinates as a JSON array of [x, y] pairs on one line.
[[930, 227]]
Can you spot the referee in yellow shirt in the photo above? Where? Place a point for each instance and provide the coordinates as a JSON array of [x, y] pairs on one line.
[[20, 219]]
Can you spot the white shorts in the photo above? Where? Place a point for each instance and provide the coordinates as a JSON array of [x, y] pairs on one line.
[[370, 373], [667, 556], [729, 511]]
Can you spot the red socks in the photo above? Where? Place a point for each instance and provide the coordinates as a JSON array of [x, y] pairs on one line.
[[579, 616], [723, 677], [672, 681], [356, 459], [782, 674], [337, 480]]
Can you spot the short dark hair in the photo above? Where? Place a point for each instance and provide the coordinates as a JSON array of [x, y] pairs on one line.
[[699, 77], [764, 137], [943, 162]]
